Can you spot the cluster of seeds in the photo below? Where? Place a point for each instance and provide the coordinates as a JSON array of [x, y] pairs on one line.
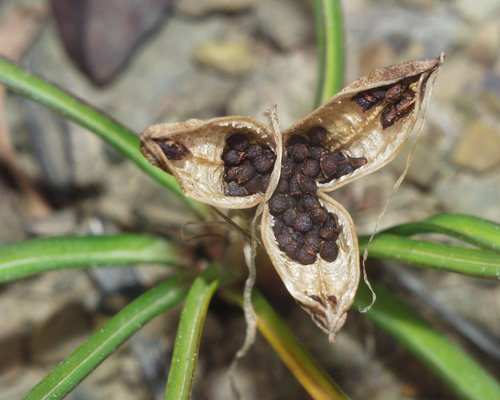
[[399, 100], [302, 226], [247, 166], [172, 149]]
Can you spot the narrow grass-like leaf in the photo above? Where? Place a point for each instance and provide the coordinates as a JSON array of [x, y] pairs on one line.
[[41, 255], [330, 48], [187, 341], [104, 341], [472, 262], [116, 135], [463, 375], [474, 230], [299, 361]]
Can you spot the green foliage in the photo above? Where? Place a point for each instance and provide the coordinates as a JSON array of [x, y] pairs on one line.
[[105, 340], [35, 256]]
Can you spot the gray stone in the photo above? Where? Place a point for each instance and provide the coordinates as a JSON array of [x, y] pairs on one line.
[[285, 81], [479, 147], [429, 161], [288, 23], [403, 28], [467, 193], [228, 57], [198, 8], [478, 10], [59, 223]]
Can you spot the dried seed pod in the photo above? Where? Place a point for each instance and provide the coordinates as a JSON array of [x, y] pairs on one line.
[[356, 132], [353, 122], [322, 279], [200, 173]]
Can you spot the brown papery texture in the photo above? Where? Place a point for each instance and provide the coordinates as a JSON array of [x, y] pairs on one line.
[[356, 132], [324, 289], [200, 174], [359, 133]]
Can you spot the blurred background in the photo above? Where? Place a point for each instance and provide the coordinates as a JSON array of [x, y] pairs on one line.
[[161, 60]]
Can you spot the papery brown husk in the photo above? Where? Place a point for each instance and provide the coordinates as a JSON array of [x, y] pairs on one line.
[[359, 133], [200, 174], [313, 286], [355, 133], [324, 289]]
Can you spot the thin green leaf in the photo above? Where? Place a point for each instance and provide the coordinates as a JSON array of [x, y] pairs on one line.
[[67, 105], [299, 361], [474, 230], [463, 375], [472, 262], [187, 341], [330, 48], [103, 342], [41, 255]]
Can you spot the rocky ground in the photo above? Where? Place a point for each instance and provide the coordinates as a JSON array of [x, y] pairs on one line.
[[220, 57]]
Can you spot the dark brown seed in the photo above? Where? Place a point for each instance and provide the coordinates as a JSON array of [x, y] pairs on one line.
[[282, 186], [394, 92], [235, 190], [302, 223], [253, 151], [363, 102], [293, 186], [369, 98], [316, 298], [292, 250], [306, 183], [245, 172], [173, 150], [328, 251], [286, 168], [318, 216], [278, 203], [313, 241], [297, 168], [278, 225], [330, 229], [344, 169], [329, 163], [292, 202], [254, 185], [332, 299], [296, 236], [289, 216], [296, 139], [265, 179], [263, 164], [310, 202], [238, 142], [298, 152], [327, 232], [305, 256], [232, 157], [357, 162], [315, 152], [388, 116], [378, 93], [268, 152], [230, 174], [316, 135], [404, 107], [282, 237], [310, 168]]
